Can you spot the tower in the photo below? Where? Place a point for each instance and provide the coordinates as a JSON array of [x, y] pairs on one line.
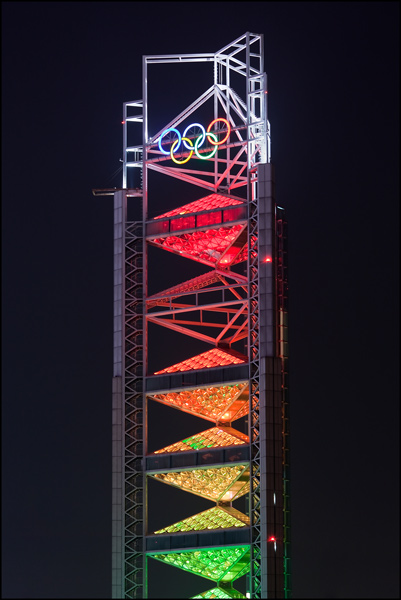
[[224, 223]]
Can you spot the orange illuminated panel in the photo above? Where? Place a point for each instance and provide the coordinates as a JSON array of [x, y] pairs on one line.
[[217, 437], [207, 360], [223, 404], [207, 203], [204, 246], [221, 484], [213, 518]]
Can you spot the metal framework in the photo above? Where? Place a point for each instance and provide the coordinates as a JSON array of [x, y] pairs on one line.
[[238, 307]]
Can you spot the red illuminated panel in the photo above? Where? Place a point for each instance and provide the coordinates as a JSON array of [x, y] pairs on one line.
[[207, 360], [207, 246], [207, 203], [222, 404], [207, 219], [184, 223]]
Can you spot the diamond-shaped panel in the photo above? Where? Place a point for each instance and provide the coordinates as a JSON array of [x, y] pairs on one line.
[[213, 518], [216, 357], [217, 437], [218, 564], [219, 484], [207, 246], [219, 592], [223, 404]]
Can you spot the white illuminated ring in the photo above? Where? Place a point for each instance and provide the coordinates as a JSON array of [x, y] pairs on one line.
[[189, 127]]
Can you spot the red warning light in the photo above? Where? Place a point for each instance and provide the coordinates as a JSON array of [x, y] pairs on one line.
[[271, 539], [122, 122], [268, 259]]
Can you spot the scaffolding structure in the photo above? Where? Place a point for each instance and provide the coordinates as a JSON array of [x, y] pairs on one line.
[[237, 307]]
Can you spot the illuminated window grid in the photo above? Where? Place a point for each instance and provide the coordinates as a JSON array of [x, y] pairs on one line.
[[216, 437], [213, 518], [207, 360], [221, 484], [207, 203], [203, 246], [218, 564], [222, 404], [219, 592]]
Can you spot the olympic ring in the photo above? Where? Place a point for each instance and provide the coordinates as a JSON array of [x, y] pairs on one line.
[[228, 131], [181, 162], [197, 144], [164, 133], [199, 140], [195, 125]]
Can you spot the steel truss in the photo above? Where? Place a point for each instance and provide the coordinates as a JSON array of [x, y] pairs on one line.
[[242, 316]]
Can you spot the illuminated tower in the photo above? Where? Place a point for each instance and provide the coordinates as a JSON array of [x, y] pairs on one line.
[[224, 223]]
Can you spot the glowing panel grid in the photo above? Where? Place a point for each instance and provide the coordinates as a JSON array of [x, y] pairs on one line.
[[207, 360], [219, 592], [207, 246], [207, 203], [218, 403], [218, 564], [213, 518], [223, 484], [216, 437]]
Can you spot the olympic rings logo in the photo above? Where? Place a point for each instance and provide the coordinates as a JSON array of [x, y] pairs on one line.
[[188, 143]]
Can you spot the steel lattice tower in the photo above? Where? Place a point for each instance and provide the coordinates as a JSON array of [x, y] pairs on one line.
[[237, 306]]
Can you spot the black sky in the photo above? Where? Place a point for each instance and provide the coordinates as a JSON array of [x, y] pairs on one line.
[[333, 72]]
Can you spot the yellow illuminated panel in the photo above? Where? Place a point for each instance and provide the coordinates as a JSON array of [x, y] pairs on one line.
[[218, 484], [224, 403], [214, 518], [211, 438]]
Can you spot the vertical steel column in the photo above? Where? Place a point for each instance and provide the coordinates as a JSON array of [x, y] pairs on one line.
[[133, 413], [282, 351], [118, 396], [144, 295], [266, 304]]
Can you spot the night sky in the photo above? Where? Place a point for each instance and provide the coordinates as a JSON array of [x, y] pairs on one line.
[[333, 72]]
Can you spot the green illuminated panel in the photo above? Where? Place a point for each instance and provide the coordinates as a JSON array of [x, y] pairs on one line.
[[218, 564], [219, 592], [214, 518], [219, 484], [216, 437]]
